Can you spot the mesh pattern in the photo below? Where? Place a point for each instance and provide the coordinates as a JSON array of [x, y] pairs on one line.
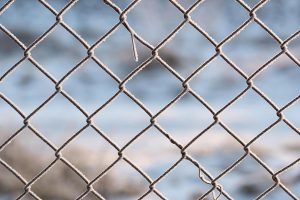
[[216, 189]]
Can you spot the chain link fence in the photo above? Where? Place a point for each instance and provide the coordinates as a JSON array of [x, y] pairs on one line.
[[216, 189]]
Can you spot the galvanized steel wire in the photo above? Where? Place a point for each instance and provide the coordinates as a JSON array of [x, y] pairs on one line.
[[216, 189]]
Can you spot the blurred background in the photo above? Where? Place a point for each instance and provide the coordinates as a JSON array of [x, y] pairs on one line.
[[121, 120]]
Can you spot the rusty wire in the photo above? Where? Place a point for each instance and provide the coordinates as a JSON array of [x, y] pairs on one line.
[[216, 189]]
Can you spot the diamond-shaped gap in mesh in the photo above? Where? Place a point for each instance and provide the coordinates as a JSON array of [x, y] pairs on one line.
[[58, 120], [27, 87], [155, 86], [59, 52], [292, 114], [182, 182], [10, 53], [278, 194], [27, 154], [209, 196], [121, 119], [27, 197], [291, 179], [27, 26], [154, 20], [185, 119], [90, 153], [117, 54], [218, 83], [153, 160], [251, 3], [251, 48], [10, 120], [294, 47], [247, 180], [123, 4], [281, 16], [152, 196], [278, 147], [90, 196], [283, 75], [10, 185], [249, 115], [58, 5], [186, 3], [90, 86], [122, 181], [95, 18], [229, 15], [216, 150], [59, 182], [194, 50]]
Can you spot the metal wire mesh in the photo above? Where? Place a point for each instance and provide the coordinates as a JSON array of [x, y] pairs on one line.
[[216, 189]]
